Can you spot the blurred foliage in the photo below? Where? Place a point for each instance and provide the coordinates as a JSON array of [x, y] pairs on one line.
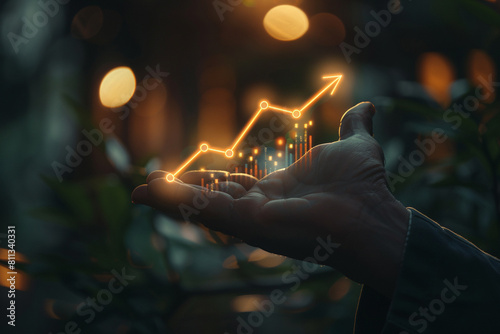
[[468, 174]]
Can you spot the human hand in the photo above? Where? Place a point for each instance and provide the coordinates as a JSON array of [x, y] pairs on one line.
[[336, 192]]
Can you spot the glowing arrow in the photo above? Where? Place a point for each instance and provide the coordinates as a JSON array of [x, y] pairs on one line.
[[264, 105]]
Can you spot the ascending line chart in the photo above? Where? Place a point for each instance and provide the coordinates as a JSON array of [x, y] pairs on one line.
[[264, 106]]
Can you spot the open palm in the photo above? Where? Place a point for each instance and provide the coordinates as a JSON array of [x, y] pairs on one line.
[[336, 192]]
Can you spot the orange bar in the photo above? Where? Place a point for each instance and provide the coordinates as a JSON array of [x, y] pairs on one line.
[[309, 163], [260, 173], [301, 144]]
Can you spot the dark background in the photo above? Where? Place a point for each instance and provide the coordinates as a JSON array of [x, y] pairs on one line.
[[72, 234]]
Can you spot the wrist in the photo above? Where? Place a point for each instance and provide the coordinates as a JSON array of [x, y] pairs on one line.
[[389, 229], [374, 252]]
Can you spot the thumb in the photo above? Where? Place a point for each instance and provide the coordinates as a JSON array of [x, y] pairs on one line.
[[357, 120]]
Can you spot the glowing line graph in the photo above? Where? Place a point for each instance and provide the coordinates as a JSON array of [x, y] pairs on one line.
[[263, 106]]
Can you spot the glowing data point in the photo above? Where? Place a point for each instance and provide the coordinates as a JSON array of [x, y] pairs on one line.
[[170, 177], [296, 113], [229, 153], [204, 147], [264, 105]]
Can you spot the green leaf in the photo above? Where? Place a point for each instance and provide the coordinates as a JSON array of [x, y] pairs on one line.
[[114, 203]]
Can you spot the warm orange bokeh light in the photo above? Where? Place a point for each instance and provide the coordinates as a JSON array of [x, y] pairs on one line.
[[481, 72], [246, 303], [436, 74], [286, 23], [117, 87], [231, 262], [22, 279]]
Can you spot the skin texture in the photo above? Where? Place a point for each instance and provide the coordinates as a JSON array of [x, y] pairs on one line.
[[337, 191]]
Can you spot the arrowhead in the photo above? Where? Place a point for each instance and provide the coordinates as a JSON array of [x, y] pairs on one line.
[[335, 81]]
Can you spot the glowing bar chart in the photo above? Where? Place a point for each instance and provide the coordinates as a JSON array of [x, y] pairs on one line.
[[263, 160]]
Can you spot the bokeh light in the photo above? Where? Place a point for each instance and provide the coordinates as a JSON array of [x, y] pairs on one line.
[[117, 87], [231, 262], [246, 303], [481, 72], [436, 74], [151, 123], [286, 23]]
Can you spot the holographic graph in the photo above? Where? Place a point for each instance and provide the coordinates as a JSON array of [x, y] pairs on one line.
[[264, 106]]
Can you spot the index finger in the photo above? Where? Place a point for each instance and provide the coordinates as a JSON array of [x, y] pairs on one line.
[[212, 208]]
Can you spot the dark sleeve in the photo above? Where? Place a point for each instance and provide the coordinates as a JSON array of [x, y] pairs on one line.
[[446, 285]]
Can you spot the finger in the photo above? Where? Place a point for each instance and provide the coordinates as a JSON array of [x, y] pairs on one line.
[[246, 180], [213, 209], [235, 185], [357, 120], [234, 189], [140, 194], [207, 176], [155, 175], [286, 210]]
